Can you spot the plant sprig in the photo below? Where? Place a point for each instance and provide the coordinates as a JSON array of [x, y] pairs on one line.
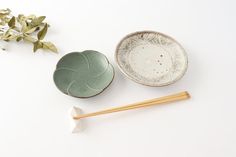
[[25, 28]]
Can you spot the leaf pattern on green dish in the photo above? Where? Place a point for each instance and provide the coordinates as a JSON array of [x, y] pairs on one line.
[[83, 74]]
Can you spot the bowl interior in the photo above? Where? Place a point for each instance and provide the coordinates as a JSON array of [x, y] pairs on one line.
[[83, 74], [151, 58]]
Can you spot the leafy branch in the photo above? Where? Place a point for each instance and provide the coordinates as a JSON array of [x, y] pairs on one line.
[[30, 28]]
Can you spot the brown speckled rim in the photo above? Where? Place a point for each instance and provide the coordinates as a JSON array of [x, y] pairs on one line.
[[140, 82], [113, 75]]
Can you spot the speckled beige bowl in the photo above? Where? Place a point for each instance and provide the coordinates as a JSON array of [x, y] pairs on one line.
[[151, 58]]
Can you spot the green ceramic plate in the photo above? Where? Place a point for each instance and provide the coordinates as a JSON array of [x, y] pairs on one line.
[[83, 74]]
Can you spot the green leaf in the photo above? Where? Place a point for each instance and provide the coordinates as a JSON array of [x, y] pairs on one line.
[[20, 18], [12, 22], [37, 21], [19, 39], [50, 46], [23, 26], [31, 30], [31, 17], [4, 12], [42, 33], [16, 29], [6, 35], [12, 37], [37, 45], [29, 38]]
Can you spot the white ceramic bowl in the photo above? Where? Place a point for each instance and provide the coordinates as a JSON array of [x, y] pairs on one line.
[[151, 58]]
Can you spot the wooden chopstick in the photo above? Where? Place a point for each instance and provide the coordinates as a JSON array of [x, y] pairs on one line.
[[146, 103]]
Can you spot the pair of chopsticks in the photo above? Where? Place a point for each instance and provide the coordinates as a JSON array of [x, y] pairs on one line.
[[166, 99]]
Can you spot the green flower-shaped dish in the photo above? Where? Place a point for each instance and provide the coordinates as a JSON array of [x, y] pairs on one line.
[[83, 74]]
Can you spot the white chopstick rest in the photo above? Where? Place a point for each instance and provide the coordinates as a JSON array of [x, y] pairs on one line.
[[75, 124]]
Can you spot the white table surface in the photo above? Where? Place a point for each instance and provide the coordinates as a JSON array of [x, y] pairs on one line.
[[34, 114]]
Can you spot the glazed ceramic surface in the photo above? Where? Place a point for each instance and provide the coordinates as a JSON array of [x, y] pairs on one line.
[[151, 58], [83, 74]]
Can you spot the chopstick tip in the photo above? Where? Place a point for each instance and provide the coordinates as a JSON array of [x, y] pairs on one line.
[[187, 94]]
